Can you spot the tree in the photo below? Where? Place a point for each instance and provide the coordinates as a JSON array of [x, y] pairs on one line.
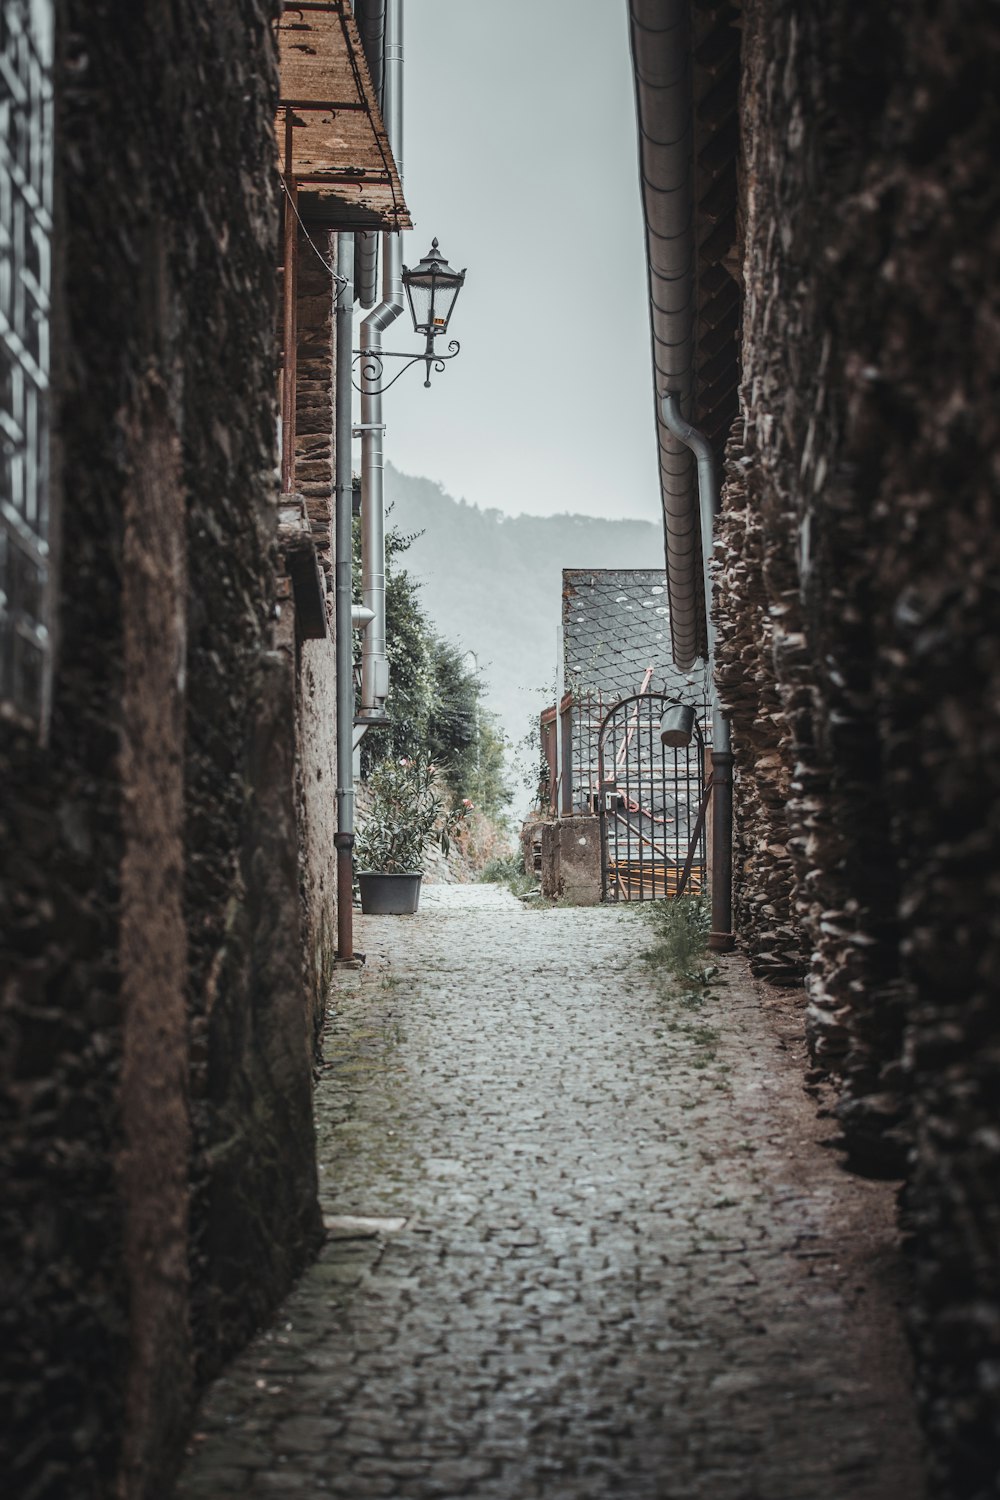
[[433, 702]]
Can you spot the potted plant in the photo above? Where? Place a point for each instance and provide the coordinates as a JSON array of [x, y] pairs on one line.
[[405, 815]]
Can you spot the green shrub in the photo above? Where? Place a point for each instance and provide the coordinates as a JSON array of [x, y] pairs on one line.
[[434, 698], [399, 823]]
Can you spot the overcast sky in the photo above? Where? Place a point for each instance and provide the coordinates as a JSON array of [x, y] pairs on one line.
[[520, 156]]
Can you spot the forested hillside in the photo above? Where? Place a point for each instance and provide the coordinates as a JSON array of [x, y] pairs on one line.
[[492, 582]]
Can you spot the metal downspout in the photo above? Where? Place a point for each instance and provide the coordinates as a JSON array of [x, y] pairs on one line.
[[366, 288], [343, 613], [721, 937], [370, 15], [560, 691], [290, 317], [374, 664]]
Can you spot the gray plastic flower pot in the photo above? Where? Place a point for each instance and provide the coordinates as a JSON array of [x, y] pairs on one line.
[[389, 895]]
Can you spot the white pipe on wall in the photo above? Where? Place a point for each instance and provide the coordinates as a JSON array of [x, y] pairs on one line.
[[560, 690]]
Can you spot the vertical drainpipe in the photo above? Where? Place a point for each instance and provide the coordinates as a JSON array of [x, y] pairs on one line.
[[374, 665], [560, 690], [721, 937], [290, 293], [366, 285], [343, 483]]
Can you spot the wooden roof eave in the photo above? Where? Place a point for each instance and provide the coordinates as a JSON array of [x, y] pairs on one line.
[[342, 161]]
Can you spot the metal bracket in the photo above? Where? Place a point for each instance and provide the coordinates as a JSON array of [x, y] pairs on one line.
[[364, 427], [372, 366]]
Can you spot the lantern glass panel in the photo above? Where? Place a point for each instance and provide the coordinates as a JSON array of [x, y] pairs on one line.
[[420, 294], [443, 302]]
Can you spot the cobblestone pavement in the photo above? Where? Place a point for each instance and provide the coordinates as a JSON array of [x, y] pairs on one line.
[[613, 1259]]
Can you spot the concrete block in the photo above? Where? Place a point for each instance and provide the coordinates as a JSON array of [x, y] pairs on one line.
[[579, 866]]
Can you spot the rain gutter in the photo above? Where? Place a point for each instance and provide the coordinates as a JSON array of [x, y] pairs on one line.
[[660, 33], [661, 41]]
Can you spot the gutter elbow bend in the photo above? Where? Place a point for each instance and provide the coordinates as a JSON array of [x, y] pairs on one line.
[[682, 428], [708, 495], [386, 313]]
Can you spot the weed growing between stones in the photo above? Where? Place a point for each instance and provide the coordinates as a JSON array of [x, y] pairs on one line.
[[680, 946], [679, 958]]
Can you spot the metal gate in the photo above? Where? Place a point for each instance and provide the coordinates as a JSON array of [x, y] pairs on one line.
[[652, 804]]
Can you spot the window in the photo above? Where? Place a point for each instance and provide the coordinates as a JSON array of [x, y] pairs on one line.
[[26, 48]]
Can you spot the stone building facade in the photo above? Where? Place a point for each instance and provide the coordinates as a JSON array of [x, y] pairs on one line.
[[157, 1149], [857, 609]]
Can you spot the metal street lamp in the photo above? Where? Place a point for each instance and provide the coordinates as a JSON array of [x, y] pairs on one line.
[[432, 289]]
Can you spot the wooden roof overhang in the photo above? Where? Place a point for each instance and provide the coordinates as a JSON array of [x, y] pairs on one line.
[[341, 159]]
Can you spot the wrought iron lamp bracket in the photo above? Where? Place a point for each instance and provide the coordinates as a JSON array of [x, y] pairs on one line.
[[372, 365]]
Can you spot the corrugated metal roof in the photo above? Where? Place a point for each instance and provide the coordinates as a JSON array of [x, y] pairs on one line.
[[341, 157]]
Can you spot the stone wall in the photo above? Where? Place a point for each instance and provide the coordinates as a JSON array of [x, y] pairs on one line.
[[155, 1074], [796, 635], [861, 530], [763, 882]]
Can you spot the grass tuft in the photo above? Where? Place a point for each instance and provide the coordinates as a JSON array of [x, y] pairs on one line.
[[507, 870], [680, 943]]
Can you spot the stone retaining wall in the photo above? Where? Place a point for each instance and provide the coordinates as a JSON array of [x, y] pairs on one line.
[[859, 616]]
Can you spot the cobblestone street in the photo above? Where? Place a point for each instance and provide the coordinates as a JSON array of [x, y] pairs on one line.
[[585, 1242]]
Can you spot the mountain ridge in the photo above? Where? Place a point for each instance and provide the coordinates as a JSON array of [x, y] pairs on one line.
[[492, 582]]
